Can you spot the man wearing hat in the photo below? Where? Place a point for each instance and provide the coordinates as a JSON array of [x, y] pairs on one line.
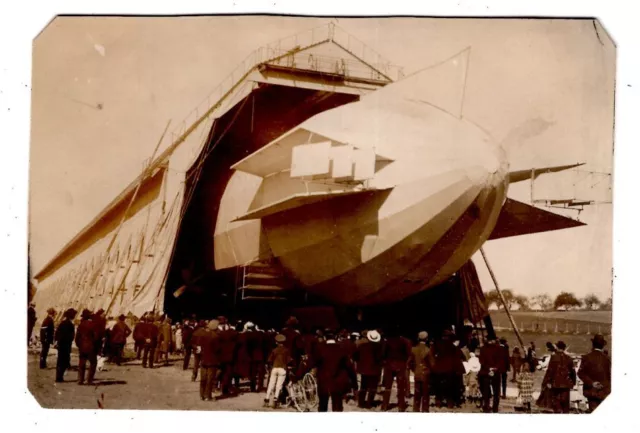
[[560, 378], [447, 371], [119, 334], [334, 369], [595, 373], [209, 348], [138, 335], [149, 342], [505, 366], [395, 356], [421, 362], [279, 360], [368, 358], [228, 345], [100, 325], [294, 339], [46, 336], [195, 344], [491, 359], [87, 349], [187, 333], [64, 340]]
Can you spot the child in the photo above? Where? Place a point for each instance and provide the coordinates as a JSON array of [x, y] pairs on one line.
[[525, 385], [178, 338], [471, 378]]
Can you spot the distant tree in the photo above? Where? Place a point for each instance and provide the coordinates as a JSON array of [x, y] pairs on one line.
[[606, 305], [522, 302], [591, 302], [493, 297], [566, 300], [543, 301]]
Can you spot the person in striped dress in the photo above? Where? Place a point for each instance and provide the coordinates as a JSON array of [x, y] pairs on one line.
[[525, 385]]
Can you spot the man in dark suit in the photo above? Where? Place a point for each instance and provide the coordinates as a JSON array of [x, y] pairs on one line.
[[198, 332], [87, 349], [64, 340], [209, 348], [255, 350], [293, 341], [448, 369], [228, 346], [505, 366], [395, 355], [491, 360], [421, 362], [595, 373], [368, 358], [560, 378], [46, 336], [187, 333], [138, 335], [100, 325], [31, 321], [150, 341], [119, 334], [334, 368]]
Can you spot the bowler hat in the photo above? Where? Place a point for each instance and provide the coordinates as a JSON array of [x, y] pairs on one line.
[[70, 313], [86, 314], [561, 345], [51, 311], [291, 321], [598, 340]]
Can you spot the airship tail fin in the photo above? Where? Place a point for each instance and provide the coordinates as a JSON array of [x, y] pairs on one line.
[[517, 218], [441, 85]]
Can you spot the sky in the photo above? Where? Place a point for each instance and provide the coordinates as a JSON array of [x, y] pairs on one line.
[[104, 88]]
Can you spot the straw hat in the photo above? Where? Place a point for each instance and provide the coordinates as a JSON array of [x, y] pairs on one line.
[[474, 364], [280, 338], [422, 335], [249, 325], [373, 336]]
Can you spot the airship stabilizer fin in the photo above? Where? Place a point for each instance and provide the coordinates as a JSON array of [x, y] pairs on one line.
[[297, 200], [521, 175], [517, 218]]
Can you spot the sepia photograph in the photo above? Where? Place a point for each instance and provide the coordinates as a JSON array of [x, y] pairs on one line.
[[321, 214]]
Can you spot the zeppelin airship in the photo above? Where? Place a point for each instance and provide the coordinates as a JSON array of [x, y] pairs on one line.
[[312, 172], [373, 201]]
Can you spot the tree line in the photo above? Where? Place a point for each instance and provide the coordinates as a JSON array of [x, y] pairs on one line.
[[544, 302]]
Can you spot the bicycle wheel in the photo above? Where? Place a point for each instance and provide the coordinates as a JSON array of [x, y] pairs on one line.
[[310, 389]]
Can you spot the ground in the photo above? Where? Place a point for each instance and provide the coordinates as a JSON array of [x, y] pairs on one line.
[[131, 387]]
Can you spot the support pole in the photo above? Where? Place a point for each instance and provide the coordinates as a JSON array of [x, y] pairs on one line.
[[504, 303]]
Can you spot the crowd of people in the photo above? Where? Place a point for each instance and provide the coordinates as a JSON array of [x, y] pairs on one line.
[[345, 364]]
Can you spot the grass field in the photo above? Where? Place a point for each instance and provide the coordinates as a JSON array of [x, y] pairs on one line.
[[561, 322], [575, 328]]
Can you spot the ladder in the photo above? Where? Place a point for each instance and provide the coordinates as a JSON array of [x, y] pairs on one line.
[[264, 280]]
